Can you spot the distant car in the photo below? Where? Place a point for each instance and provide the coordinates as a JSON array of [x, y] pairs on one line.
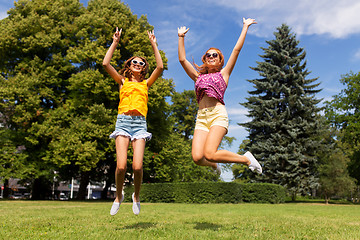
[[63, 197], [27, 196], [16, 196]]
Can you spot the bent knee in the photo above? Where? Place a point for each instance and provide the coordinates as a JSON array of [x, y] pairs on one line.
[[197, 158], [209, 155]]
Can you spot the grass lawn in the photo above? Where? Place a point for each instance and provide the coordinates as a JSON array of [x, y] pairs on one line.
[[91, 220]]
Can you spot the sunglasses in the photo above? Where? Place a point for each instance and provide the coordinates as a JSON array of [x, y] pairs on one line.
[[214, 55], [137, 62]]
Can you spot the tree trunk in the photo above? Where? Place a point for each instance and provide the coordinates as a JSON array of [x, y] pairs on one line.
[[84, 181], [104, 192], [326, 199], [6, 191], [41, 189]]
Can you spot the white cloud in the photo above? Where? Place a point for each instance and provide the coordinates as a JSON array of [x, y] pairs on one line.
[[192, 15], [357, 55], [335, 18], [237, 111], [3, 11], [237, 114]]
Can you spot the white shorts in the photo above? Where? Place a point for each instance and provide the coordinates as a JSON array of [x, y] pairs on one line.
[[208, 117]]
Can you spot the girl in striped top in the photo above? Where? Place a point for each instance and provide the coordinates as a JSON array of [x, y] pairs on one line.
[[211, 81]]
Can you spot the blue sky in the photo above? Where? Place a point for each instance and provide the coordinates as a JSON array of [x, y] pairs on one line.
[[328, 30]]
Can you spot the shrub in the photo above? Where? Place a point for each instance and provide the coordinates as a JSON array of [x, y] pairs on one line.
[[218, 192]]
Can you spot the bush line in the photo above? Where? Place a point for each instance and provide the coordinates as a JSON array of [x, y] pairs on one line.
[[219, 192]]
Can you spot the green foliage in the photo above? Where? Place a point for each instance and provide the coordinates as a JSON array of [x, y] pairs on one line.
[[263, 193], [35, 75], [58, 105], [239, 171], [174, 163], [158, 119], [343, 112], [334, 179], [210, 192], [334, 176], [184, 110], [285, 116]]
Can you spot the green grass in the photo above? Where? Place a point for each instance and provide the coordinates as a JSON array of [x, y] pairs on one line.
[[91, 220]]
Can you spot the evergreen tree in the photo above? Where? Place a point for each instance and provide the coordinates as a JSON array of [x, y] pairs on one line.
[[284, 115]]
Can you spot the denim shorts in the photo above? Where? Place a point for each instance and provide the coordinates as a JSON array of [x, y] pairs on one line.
[[211, 116], [133, 127]]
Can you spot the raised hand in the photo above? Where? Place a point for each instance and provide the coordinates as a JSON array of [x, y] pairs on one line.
[[249, 21], [117, 34], [151, 35], [182, 31]]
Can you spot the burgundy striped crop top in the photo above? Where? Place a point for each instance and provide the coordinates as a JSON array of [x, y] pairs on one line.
[[211, 84]]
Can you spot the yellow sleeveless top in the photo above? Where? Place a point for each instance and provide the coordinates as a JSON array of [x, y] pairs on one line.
[[133, 96]]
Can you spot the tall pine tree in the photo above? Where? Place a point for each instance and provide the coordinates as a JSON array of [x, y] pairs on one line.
[[285, 115]]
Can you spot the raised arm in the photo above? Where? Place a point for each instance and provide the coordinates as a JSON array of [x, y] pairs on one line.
[[159, 63], [188, 67], [226, 71], [106, 62]]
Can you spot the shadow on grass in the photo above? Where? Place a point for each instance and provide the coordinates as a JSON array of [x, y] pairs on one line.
[[140, 225], [207, 226]]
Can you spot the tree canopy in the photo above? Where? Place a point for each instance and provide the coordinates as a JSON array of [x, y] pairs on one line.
[[58, 105], [343, 112]]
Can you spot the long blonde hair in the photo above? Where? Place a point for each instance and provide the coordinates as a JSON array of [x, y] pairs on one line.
[[126, 72], [204, 68]]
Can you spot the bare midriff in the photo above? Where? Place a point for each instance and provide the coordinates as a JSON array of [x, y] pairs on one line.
[[132, 113], [207, 102]]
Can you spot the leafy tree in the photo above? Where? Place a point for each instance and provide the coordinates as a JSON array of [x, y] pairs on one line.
[[284, 115], [184, 109], [174, 163], [52, 70], [59, 106], [36, 37], [343, 111], [334, 176], [239, 171]]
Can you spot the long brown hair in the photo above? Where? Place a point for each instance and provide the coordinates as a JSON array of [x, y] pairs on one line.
[[204, 68], [126, 72]]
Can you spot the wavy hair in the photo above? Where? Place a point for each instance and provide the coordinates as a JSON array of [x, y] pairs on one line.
[[204, 68], [126, 72]]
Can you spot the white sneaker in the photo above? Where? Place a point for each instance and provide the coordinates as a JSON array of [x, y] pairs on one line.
[[116, 205], [254, 164], [136, 206]]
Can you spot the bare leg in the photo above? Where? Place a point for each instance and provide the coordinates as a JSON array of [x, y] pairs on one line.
[[139, 148], [211, 152], [122, 144], [197, 150]]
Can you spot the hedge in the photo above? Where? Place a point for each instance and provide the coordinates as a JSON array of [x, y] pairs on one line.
[[214, 192]]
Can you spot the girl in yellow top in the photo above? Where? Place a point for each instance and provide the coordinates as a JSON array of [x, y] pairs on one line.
[[131, 119]]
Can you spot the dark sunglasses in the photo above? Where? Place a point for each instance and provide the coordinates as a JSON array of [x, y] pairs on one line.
[[214, 55], [137, 62]]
